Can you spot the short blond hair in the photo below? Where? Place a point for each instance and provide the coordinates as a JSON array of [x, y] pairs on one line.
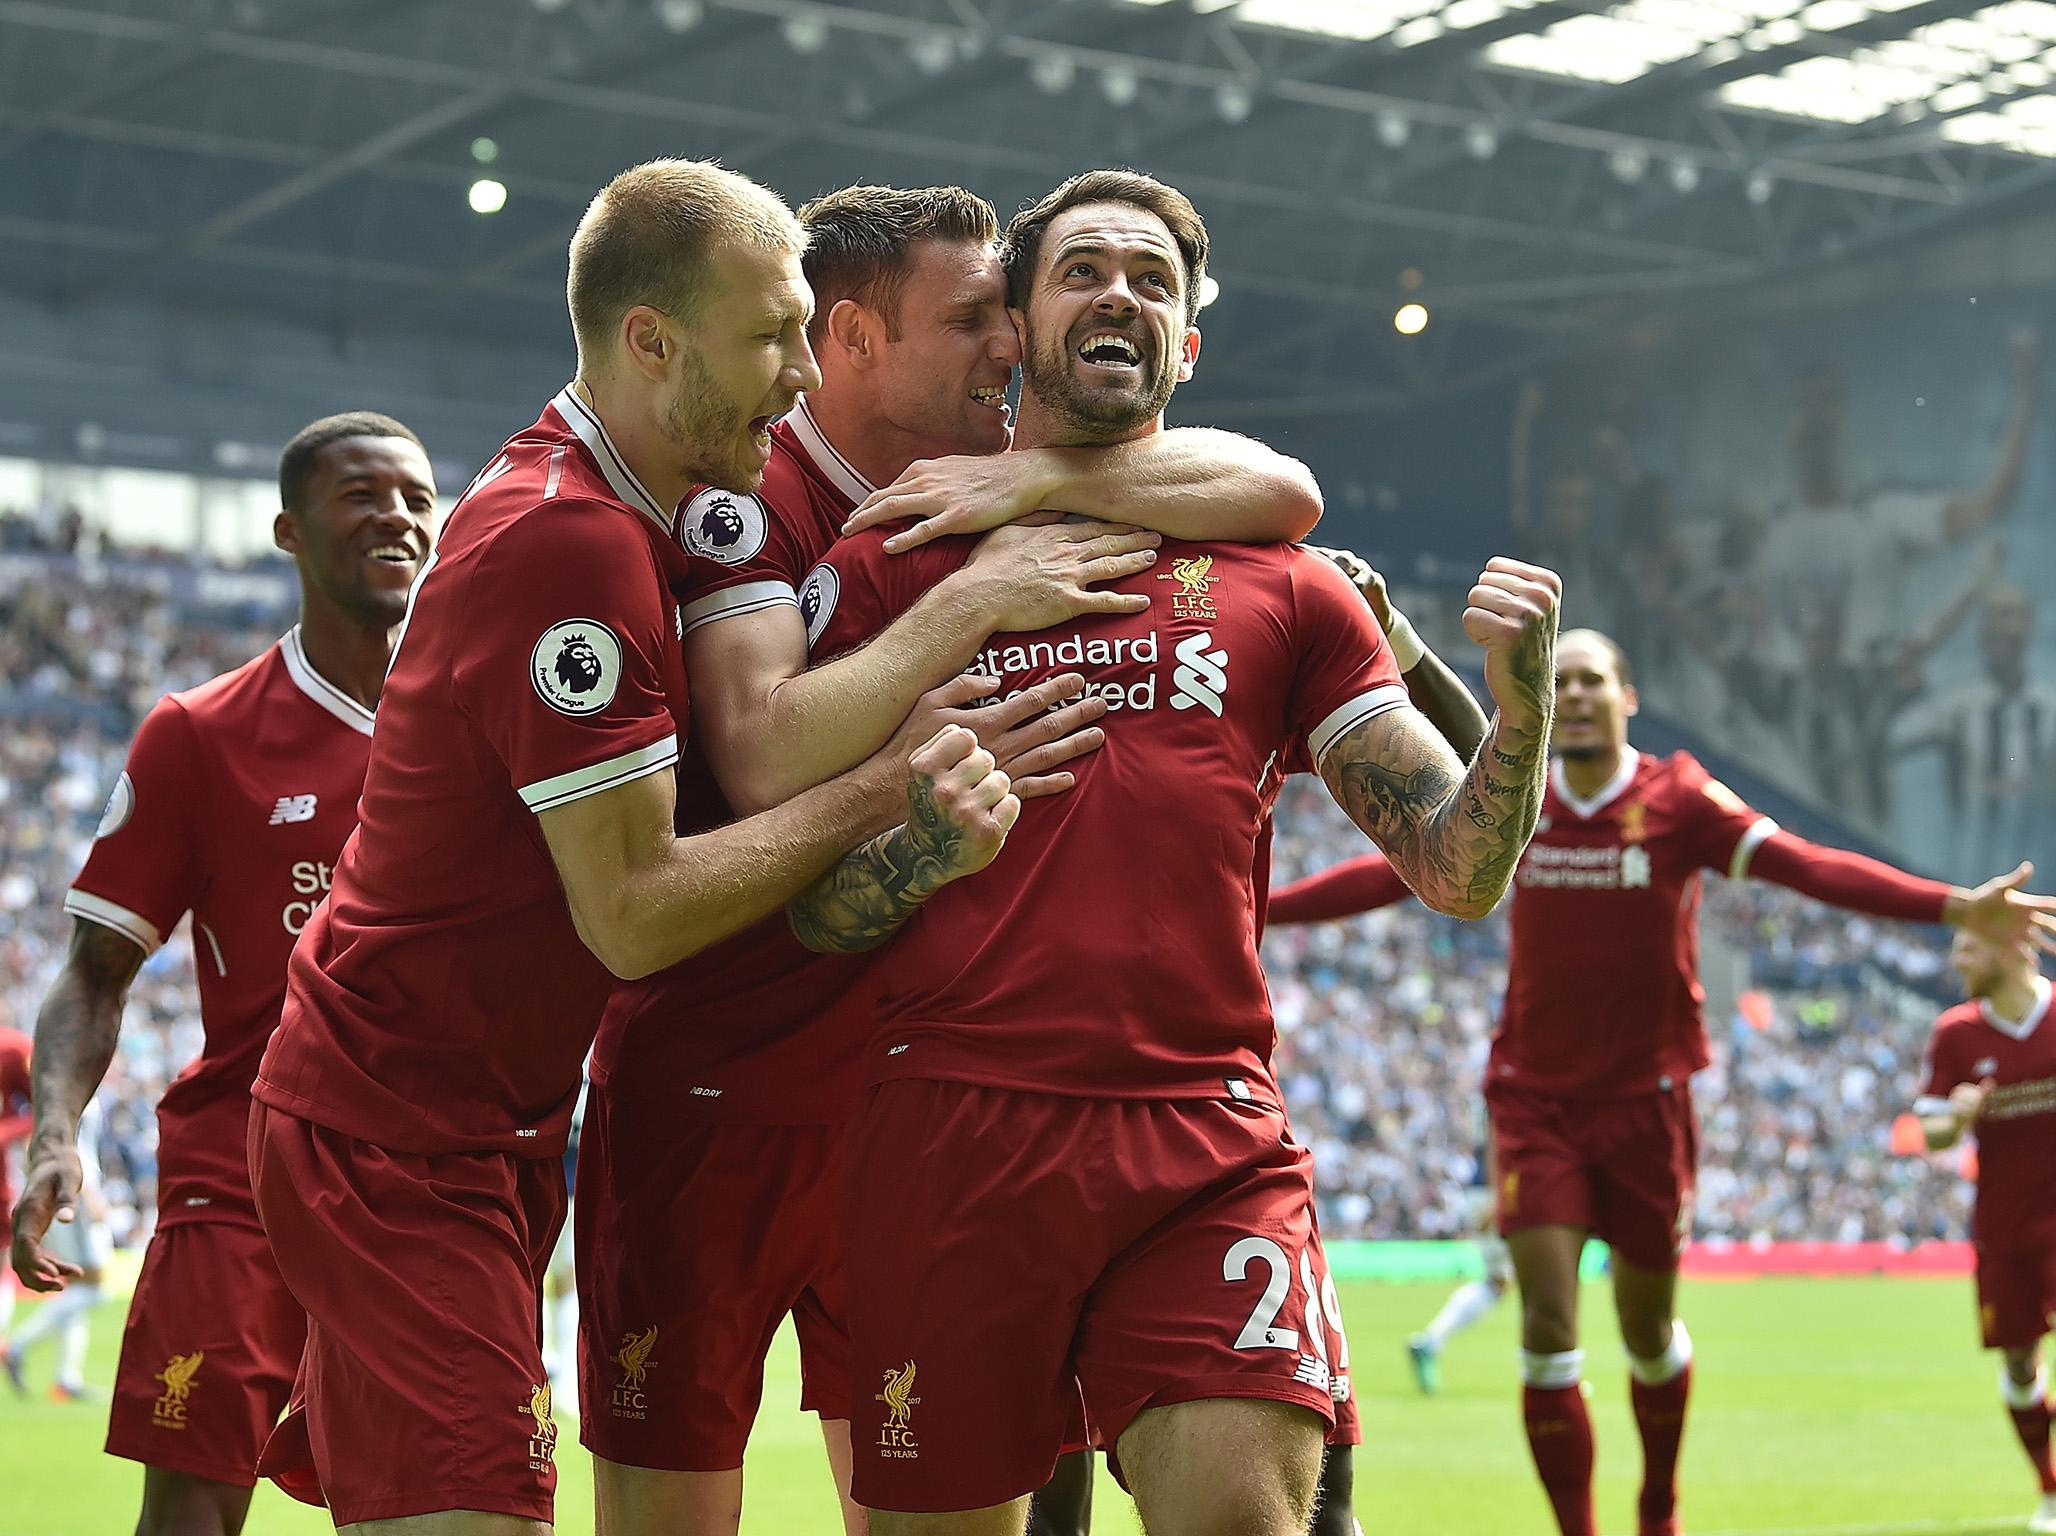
[[649, 238]]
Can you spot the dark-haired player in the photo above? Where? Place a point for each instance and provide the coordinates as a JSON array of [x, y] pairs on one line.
[[710, 1164], [1071, 1158], [1588, 1087], [234, 804], [1991, 1071]]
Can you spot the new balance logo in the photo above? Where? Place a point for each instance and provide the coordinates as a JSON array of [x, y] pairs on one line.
[[1202, 675], [1314, 1373], [292, 808]]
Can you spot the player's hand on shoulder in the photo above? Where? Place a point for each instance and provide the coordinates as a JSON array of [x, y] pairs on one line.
[[1365, 577], [1512, 614], [964, 493], [960, 805], [1030, 735], [1034, 576], [50, 1192]]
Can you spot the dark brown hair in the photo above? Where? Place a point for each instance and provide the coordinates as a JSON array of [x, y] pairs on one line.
[[1025, 231], [296, 463], [860, 243]]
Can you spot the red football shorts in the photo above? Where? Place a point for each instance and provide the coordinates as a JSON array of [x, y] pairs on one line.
[[1622, 1169], [2015, 1294], [208, 1355], [422, 1386], [1348, 1428], [1162, 1251], [695, 1240]]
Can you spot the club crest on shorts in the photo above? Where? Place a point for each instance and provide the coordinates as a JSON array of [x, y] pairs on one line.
[[542, 1439], [576, 666], [628, 1401], [896, 1434], [723, 526], [120, 806], [817, 600], [169, 1411]]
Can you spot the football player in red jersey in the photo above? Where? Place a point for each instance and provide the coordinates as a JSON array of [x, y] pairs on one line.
[[516, 854], [1588, 1087], [1072, 1158], [1991, 1071], [710, 1161], [234, 804]]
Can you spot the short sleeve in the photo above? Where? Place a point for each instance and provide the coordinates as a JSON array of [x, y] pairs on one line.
[[1941, 1071], [1727, 830], [745, 553], [560, 660], [1346, 672], [858, 588], [144, 872]]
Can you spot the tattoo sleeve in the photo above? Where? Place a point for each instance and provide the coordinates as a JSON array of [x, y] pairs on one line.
[[865, 896], [78, 1025], [1453, 834]]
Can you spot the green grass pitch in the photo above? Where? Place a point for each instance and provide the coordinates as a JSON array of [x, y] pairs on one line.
[[1822, 1407]]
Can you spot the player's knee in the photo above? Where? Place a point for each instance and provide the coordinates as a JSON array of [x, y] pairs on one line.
[[1646, 1338], [1548, 1326]]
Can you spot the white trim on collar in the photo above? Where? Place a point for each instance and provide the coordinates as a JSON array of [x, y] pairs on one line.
[[1610, 791], [319, 688], [591, 431], [841, 473], [2019, 1029]]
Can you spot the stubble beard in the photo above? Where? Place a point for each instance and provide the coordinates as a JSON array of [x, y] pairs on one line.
[[1090, 415], [705, 427]]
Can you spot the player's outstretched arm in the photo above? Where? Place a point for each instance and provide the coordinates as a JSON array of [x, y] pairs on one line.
[[959, 809], [76, 1031], [1355, 885], [1187, 483], [1431, 683], [1999, 910], [1455, 835], [771, 727]]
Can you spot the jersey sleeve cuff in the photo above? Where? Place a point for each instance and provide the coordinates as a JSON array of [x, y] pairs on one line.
[[1348, 716], [547, 794], [732, 602], [108, 914], [1745, 847]]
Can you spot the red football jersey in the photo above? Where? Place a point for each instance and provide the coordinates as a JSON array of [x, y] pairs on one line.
[[758, 1028], [235, 801], [441, 999], [16, 1113], [1111, 948], [1602, 991], [2016, 1133]]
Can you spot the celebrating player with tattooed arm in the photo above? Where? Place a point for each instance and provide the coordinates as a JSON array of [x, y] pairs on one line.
[[1096, 1009]]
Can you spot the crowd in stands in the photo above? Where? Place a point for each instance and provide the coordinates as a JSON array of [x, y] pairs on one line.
[[1384, 1020]]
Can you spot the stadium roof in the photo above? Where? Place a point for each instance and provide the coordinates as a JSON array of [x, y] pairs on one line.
[[1528, 169]]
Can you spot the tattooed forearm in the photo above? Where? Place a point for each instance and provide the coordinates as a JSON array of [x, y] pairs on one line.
[[871, 890], [1453, 836], [77, 1028]]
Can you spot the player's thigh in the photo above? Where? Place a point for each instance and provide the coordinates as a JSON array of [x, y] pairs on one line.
[[1645, 1301], [695, 1239], [448, 1522], [1543, 1173], [969, 1244], [646, 1501], [180, 1504], [1335, 1514], [2012, 1305], [1222, 1299], [1008, 1519], [1224, 1467], [835, 1442], [1063, 1505], [208, 1354], [1545, 1267], [1646, 1155]]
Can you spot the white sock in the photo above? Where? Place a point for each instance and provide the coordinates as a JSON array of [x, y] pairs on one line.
[[71, 1354], [1468, 1304], [1666, 1366], [6, 1306], [74, 1300], [1552, 1372], [2027, 1396]]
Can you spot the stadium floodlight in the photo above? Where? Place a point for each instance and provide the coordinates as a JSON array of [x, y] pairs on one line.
[[680, 15], [1120, 86], [1410, 319], [1684, 175], [804, 34], [1629, 164], [1481, 140], [487, 195], [1234, 103], [484, 150], [932, 52], [1209, 290], [1394, 129], [1052, 72], [1759, 187]]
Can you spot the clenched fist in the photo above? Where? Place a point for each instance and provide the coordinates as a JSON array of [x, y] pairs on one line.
[[1512, 615]]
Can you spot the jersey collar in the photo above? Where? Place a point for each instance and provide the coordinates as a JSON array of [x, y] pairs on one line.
[[2019, 1029], [1610, 791], [837, 470], [591, 431], [319, 688]]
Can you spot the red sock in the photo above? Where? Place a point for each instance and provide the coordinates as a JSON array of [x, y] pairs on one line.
[[1660, 1415], [2032, 1425], [1560, 1438]]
